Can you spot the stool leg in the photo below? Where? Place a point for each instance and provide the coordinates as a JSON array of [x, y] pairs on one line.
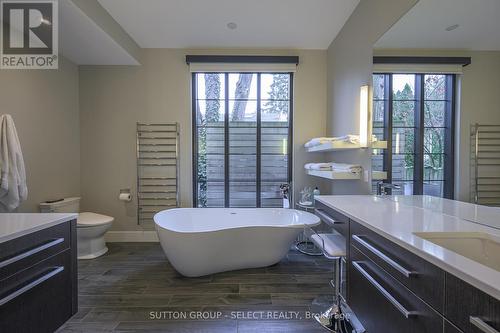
[[333, 318], [336, 279]]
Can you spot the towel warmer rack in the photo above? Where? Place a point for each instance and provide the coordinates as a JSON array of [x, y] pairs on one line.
[[157, 169], [485, 164]]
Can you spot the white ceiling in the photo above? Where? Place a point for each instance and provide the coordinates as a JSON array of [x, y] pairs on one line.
[[424, 26], [304, 24], [84, 42]]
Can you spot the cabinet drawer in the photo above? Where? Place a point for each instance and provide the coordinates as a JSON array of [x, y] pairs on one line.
[[38, 299], [418, 275], [383, 305], [334, 219], [17, 254], [468, 307]]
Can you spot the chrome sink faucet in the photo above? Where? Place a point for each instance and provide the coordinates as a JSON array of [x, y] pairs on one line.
[[382, 187]]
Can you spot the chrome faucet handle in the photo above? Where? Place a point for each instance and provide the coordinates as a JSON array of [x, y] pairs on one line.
[[284, 188], [382, 187]]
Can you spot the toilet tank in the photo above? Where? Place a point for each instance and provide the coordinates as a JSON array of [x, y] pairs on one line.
[[67, 205]]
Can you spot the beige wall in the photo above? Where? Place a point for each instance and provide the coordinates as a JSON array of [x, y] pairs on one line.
[[113, 99], [480, 84], [44, 105], [350, 67]]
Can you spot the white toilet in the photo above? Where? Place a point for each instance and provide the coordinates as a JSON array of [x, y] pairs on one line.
[[90, 227]]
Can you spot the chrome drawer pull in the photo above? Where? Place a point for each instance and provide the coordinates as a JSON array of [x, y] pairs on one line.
[[407, 314], [325, 217], [31, 285], [31, 252], [479, 323], [382, 256]]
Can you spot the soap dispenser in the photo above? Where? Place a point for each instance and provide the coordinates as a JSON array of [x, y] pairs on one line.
[[315, 193]]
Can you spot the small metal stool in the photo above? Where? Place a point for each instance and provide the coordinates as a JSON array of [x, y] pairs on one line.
[[303, 244], [338, 318]]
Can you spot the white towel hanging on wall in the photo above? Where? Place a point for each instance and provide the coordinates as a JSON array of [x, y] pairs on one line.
[[13, 189]]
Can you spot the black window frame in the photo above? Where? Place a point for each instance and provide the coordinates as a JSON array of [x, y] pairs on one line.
[[194, 130], [449, 130]]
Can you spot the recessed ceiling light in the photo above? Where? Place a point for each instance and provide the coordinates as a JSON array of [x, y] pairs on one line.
[[452, 27], [232, 25]]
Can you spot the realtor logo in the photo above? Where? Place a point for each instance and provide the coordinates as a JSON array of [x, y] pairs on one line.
[[29, 36]]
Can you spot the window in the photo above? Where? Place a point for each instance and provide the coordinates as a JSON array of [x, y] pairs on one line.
[[241, 138], [415, 114]]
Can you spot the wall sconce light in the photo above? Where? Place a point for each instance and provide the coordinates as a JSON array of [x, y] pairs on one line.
[[364, 103], [397, 143]]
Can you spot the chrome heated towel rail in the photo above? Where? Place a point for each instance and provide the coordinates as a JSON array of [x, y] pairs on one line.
[[157, 169], [485, 164]]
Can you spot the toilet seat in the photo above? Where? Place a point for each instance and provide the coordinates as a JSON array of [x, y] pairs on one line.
[[88, 219]]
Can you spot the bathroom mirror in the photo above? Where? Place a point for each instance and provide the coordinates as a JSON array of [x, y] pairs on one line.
[[432, 102]]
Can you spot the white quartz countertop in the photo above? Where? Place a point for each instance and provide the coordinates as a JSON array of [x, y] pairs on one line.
[[19, 224], [398, 221]]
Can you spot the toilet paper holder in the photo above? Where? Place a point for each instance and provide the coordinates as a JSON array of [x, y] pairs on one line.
[[125, 195]]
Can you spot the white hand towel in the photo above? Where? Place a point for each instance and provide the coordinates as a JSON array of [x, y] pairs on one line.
[[13, 189], [316, 142], [344, 167], [319, 141], [332, 166], [348, 138], [318, 166]]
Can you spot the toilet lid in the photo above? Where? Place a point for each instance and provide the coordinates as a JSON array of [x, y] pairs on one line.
[[90, 219]]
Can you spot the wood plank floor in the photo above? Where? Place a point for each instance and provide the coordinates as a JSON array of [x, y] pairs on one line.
[[133, 288]]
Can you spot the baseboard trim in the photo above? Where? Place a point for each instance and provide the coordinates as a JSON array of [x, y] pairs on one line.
[[131, 236]]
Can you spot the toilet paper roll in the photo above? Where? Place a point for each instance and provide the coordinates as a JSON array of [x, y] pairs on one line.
[[125, 197]]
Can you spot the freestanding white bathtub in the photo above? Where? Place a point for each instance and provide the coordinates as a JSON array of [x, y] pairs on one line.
[[202, 241]]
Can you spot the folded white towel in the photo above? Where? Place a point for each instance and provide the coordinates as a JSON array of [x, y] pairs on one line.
[[332, 166], [318, 166], [13, 188], [316, 142], [344, 167], [319, 141], [348, 138]]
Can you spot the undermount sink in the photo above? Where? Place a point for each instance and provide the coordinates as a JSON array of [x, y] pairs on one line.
[[480, 247]]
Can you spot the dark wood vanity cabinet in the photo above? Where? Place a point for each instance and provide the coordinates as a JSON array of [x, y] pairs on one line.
[[383, 304], [469, 308], [450, 328], [334, 219], [38, 280], [421, 277], [390, 289]]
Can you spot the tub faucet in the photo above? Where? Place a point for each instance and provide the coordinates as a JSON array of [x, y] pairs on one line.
[[382, 187], [284, 189]]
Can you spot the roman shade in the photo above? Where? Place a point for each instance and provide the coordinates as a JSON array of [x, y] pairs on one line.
[[419, 65], [417, 68], [242, 64]]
